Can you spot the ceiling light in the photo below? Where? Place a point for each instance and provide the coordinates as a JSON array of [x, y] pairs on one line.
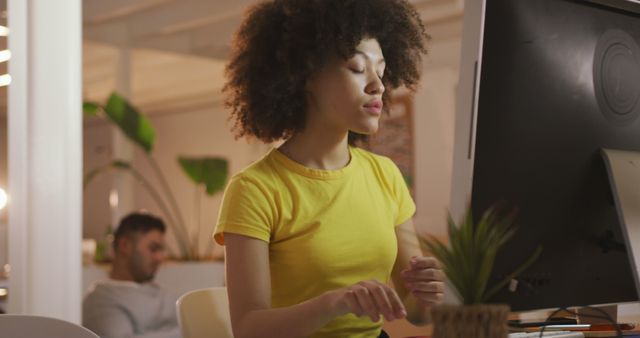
[[5, 80], [5, 55], [4, 31], [3, 199], [113, 198]]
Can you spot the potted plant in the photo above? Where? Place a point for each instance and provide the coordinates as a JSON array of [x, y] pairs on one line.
[[209, 174], [467, 262]]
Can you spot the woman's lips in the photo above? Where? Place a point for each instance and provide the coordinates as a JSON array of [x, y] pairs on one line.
[[373, 107]]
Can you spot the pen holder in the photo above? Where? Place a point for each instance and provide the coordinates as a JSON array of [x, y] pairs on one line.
[[465, 321]]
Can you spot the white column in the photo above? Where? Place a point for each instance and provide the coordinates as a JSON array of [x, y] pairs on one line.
[[45, 158], [122, 147]]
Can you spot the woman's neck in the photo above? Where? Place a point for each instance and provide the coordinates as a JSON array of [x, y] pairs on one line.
[[318, 150]]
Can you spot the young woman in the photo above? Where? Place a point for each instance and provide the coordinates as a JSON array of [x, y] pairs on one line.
[[315, 229]]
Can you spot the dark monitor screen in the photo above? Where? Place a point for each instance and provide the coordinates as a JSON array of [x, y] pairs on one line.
[[559, 80]]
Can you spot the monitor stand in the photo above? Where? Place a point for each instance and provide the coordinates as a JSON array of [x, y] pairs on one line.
[[591, 315], [623, 168]]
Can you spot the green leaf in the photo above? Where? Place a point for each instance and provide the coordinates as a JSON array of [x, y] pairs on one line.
[[90, 109], [133, 124], [210, 171], [89, 176], [116, 164], [408, 180], [120, 164]]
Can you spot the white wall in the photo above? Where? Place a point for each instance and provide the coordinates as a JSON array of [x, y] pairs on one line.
[[434, 127], [97, 150]]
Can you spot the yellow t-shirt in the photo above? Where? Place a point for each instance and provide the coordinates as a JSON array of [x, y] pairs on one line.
[[326, 229]]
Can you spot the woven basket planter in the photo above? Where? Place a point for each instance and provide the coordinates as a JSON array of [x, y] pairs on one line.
[[470, 321]]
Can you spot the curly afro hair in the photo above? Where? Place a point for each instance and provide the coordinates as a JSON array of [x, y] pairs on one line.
[[282, 43]]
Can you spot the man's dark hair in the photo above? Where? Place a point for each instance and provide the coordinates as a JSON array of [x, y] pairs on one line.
[[282, 43], [136, 224]]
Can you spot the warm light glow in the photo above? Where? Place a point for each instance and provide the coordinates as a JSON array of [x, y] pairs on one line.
[[113, 198], [3, 199], [5, 80], [5, 55], [3, 292], [4, 31]]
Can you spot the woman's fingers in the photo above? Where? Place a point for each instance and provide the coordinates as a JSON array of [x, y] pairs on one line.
[[372, 298], [388, 301], [367, 303], [396, 303], [433, 287], [429, 274], [354, 305], [382, 301], [429, 298], [424, 262], [425, 280]]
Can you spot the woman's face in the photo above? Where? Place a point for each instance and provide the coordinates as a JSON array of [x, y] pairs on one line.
[[347, 94]]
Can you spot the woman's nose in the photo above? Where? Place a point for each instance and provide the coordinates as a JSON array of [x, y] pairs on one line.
[[375, 86]]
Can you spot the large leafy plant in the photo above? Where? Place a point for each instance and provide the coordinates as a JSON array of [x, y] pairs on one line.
[[468, 259], [208, 173]]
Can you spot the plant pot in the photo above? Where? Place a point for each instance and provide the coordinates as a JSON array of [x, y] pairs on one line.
[[465, 321]]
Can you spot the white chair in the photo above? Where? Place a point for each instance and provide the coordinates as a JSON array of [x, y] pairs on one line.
[[26, 326], [205, 313]]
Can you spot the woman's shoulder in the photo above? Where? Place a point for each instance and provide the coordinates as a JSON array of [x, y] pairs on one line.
[[261, 170], [382, 167], [373, 159]]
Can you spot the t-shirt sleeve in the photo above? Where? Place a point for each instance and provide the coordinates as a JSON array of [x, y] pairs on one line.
[[245, 210], [406, 205]]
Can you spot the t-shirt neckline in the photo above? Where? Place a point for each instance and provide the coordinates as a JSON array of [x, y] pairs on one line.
[[313, 172]]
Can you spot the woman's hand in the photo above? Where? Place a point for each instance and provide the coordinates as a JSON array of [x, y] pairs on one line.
[[368, 298], [425, 280]]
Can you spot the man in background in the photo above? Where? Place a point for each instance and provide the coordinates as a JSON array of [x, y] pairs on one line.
[[129, 304]]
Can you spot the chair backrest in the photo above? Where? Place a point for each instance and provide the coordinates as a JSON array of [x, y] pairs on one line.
[[205, 313], [26, 326]]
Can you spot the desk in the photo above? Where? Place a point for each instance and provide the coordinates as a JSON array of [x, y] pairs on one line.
[[402, 328], [627, 313]]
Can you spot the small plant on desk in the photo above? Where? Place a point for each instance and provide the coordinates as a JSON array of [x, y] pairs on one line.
[[467, 262]]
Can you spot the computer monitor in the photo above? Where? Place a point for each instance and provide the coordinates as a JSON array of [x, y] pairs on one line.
[[545, 86]]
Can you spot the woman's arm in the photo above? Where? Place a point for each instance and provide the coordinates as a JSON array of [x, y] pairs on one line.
[[418, 280], [249, 288]]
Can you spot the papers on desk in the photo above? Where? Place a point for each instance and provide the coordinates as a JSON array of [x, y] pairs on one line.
[[553, 334], [586, 334], [602, 334]]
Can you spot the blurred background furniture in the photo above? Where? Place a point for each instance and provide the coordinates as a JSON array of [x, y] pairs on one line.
[[26, 326], [205, 313]]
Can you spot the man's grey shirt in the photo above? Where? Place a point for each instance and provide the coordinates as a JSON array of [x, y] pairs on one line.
[[123, 309]]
